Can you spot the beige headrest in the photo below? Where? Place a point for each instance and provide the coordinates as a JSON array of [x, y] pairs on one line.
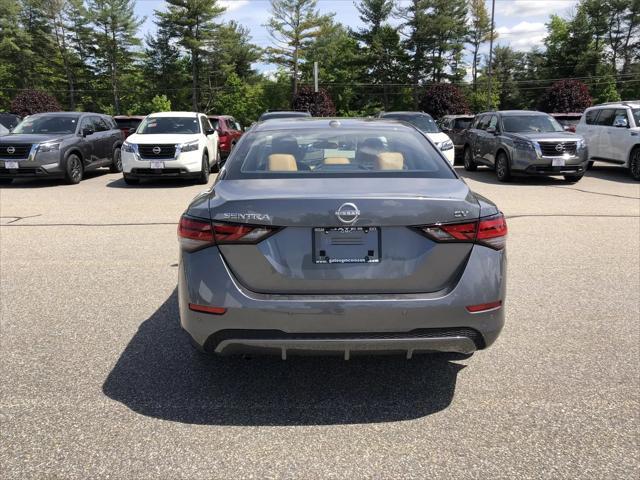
[[336, 161], [282, 162], [390, 161]]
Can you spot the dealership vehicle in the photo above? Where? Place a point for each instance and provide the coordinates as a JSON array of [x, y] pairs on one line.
[[280, 114], [128, 123], [171, 145], [427, 125], [60, 144], [612, 132], [569, 121], [229, 132], [455, 126], [522, 142], [9, 120], [343, 236]]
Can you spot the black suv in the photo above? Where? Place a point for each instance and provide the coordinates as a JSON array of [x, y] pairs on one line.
[[522, 142], [60, 144]]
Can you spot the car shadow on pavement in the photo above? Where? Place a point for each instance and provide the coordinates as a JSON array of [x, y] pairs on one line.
[[43, 182], [488, 175], [160, 183], [611, 173], [159, 374]]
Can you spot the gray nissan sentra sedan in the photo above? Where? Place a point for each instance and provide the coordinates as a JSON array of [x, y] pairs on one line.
[[340, 236]]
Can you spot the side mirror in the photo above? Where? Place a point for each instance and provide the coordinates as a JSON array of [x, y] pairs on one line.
[[87, 131], [620, 123], [209, 131], [492, 130]]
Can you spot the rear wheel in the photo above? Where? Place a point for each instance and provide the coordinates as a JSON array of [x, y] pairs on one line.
[[573, 178], [502, 168], [5, 181], [203, 179], [634, 164], [216, 166], [589, 165], [116, 164], [73, 169], [469, 163], [131, 181]]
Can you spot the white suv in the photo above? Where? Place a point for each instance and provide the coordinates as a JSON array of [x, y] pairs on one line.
[[612, 133], [171, 144]]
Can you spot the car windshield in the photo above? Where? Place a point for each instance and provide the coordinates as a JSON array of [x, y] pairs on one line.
[[9, 121], [422, 122], [177, 125], [530, 123], [47, 124], [636, 116], [127, 122], [320, 151]]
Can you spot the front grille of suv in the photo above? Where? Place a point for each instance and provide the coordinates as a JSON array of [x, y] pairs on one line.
[[550, 149], [166, 151], [15, 150]]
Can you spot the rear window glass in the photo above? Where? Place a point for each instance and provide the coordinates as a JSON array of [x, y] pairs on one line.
[[606, 117], [422, 122], [329, 152], [636, 116], [155, 125], [462, 123], [127, 123]]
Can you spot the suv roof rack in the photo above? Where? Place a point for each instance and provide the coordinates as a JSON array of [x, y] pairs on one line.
[[626, 103]]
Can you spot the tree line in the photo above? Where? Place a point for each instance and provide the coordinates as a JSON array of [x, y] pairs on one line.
[[89, 55]]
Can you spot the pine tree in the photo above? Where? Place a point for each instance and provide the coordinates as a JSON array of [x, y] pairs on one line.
[[479, 33], [192, 23], [293, 25]]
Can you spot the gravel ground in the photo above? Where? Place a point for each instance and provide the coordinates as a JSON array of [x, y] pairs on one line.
[[98, 381]]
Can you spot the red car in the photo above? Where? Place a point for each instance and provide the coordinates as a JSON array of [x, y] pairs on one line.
[[229, 132], [128, 124]]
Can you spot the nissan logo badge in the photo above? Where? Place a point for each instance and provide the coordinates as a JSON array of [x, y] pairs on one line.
[[11, 150], [348, 213], [156, 150]]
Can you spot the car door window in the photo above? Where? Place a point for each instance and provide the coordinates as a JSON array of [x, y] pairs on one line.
[[483, 122], [204, 124], [620, 118], [86, 122], [493, 122], [606, 117], [591, 116], [99, 124]]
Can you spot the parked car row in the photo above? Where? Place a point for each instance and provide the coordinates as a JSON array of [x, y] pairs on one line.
[[68, 144]]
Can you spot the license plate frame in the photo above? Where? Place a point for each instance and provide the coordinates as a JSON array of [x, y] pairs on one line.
[[346, 245], [11, 165], [157, 165]]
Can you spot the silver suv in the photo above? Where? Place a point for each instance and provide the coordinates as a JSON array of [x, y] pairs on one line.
[[612, 132], [522, 142]]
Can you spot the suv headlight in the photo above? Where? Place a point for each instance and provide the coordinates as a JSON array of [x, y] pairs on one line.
[[581, 143], [523, 145], [446, 145], [129, 147], [190, 146], [49, 147]]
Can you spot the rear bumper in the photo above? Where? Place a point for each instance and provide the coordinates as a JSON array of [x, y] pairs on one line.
[[340, 324]]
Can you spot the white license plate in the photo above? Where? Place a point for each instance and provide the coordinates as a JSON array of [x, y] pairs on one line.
[[10, 164], [155, 164], [557, 162]]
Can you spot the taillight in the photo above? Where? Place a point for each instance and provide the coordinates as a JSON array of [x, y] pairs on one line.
[[196, 233], [489, 231]]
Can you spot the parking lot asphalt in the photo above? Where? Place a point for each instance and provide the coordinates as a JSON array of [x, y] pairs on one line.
[[98, 381]]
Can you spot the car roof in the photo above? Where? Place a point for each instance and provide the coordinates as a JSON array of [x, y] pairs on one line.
[[219, 116], [301, 123], [175, 114], [564, 114], [406, 112], [127, 117], [514, 112], [622, 104], [67, 114]]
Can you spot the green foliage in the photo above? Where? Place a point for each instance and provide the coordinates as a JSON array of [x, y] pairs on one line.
[[160, 103], [240, 99], [29, 102]]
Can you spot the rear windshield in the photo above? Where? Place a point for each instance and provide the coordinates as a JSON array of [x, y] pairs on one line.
[[328, 152], [530, 123], [47, 124], [127, 123], [462, 123], [422, 122], [155, 125]]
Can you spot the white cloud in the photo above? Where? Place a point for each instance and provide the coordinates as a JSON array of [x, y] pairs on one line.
[[232, 5], [523, 36], [524, 8]]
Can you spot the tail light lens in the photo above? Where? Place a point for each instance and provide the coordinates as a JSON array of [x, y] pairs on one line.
[[488, 231], [195, 233]]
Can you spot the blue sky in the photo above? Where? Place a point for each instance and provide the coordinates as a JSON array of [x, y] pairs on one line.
[[520, 23]]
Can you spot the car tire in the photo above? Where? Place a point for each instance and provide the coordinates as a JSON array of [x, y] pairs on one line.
[[215, 168], [203, 179], [589, 165], [73, 169], [573, 178], [503, 172], [634, 164], [131, 181], [116, 163], [469, 164]]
